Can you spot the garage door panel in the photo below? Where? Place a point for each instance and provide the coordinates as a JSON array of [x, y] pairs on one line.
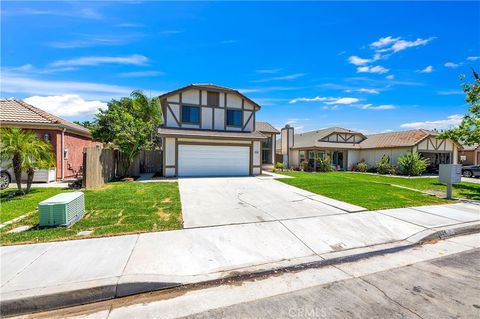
[[208, 160]]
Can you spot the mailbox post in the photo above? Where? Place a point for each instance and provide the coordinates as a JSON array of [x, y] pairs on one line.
[[450, 174]]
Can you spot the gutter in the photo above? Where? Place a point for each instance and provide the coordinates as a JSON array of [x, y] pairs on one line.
[[63, 154]]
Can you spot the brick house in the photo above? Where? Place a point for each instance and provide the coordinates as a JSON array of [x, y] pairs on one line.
[[66, 138]]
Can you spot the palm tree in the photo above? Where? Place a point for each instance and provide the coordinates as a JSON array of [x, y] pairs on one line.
[[26, 152]]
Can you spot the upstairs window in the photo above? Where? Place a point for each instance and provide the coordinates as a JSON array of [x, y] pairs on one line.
[[190, 114], [213, 99], [234, 118]]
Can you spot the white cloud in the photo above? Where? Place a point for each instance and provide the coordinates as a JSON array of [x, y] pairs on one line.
[[452, 120], [18, 84], [134, 59], [369, 91], [326, 100], [343, 100], [90, 40], [355, 60], [382, 42], [377, 108], [282, 78], [139, 74], [451, 65], [390, 77], [267, 71], [427, 69], [473, 58], [66, 105], [307, 99], [401, 45], [372, 69]]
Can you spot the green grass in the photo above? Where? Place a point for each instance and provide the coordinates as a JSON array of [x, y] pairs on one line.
[[371, 191], [12, 207], [117, 208]]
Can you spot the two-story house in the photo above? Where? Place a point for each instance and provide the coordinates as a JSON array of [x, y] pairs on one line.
[[210, 130]]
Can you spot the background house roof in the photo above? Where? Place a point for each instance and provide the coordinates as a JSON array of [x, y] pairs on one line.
[[209, 87], [265, 127], [470, 147], [396, 139], [15, 111], [312, 138]]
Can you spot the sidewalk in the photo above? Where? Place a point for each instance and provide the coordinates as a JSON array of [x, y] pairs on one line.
[[48, 275]]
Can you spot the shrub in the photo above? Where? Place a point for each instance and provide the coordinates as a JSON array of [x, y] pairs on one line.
[[304, 166], [361, 167], [383, 167], [412, 164], [279, 165], [323, 165]]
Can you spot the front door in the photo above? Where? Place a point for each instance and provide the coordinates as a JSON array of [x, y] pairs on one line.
[[337, 160]]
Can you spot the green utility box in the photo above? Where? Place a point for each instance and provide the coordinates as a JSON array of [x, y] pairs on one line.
[[62, 209]]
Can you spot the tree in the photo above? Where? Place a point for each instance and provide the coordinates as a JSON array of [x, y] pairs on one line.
[[468, 132], [130, 124], [86, 124], [26, 152]]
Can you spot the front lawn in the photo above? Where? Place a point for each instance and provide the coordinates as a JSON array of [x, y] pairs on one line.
[[369, 191], [116, 208], [14, 206]]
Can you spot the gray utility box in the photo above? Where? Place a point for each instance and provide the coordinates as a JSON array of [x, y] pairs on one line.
[[450, 173], [62, 209]]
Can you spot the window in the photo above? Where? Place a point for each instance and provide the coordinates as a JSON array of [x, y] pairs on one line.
[[213, 98], [267, 151], [190, 114], [234, 118], [301, 156], [320, 156]]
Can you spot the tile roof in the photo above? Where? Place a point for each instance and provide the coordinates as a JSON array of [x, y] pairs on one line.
[[395, 139], [470, 147], [173, 132], [265, 127], [17, 111]]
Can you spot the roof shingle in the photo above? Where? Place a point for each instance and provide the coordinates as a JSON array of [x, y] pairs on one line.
[[265, 127], [17, 111]]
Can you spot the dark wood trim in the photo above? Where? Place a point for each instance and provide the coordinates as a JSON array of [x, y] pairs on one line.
[[176, 157], [251, 158], [212, 143], [170, 166], [248, 120], [173, 114]]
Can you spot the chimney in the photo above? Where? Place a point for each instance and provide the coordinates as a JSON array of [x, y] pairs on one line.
[[286, 135]]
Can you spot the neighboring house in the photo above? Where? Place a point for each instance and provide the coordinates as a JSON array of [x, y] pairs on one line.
[[470, 155], [67, 139], [345, 148], [211, 130]]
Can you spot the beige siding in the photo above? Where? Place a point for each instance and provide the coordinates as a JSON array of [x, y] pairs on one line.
[[353, 157], [207, 118], [219, 119], [371, 157], [234, 101], [191, 96]]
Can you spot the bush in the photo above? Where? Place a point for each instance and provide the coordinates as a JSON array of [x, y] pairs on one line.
[[384, 167], [279, 165], [412, 164], [304, 166], [323, 165], [361, 167]]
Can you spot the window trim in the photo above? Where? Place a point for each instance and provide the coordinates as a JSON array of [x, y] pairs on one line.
[[199, 114], [234, 110]]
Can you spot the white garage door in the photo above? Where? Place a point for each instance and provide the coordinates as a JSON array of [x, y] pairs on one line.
[[208, 160]]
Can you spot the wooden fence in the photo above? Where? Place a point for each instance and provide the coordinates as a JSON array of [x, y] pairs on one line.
[[104, 165]]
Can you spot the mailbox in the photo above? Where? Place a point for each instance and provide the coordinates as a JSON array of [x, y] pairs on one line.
[[450, 173]]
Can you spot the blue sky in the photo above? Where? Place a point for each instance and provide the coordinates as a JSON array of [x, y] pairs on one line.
[[369, 66]]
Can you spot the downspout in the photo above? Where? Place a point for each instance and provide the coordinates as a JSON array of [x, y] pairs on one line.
[[63, 154]]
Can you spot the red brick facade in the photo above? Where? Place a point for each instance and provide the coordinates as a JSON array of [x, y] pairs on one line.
[[74, 145]]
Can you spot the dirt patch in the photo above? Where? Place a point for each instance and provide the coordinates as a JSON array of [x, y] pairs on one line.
[[161, 213], [167, 200]]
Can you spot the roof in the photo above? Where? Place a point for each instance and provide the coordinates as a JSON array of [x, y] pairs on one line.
[[312, 138], [15, 111], [172, 132], [470, 147], [265, 127], [396, 139], [209, 87]]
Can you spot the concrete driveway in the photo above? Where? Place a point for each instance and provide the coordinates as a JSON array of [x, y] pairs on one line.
[[226, 201]]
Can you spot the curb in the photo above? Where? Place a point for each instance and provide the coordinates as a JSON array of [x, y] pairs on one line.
[[107, 291]]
